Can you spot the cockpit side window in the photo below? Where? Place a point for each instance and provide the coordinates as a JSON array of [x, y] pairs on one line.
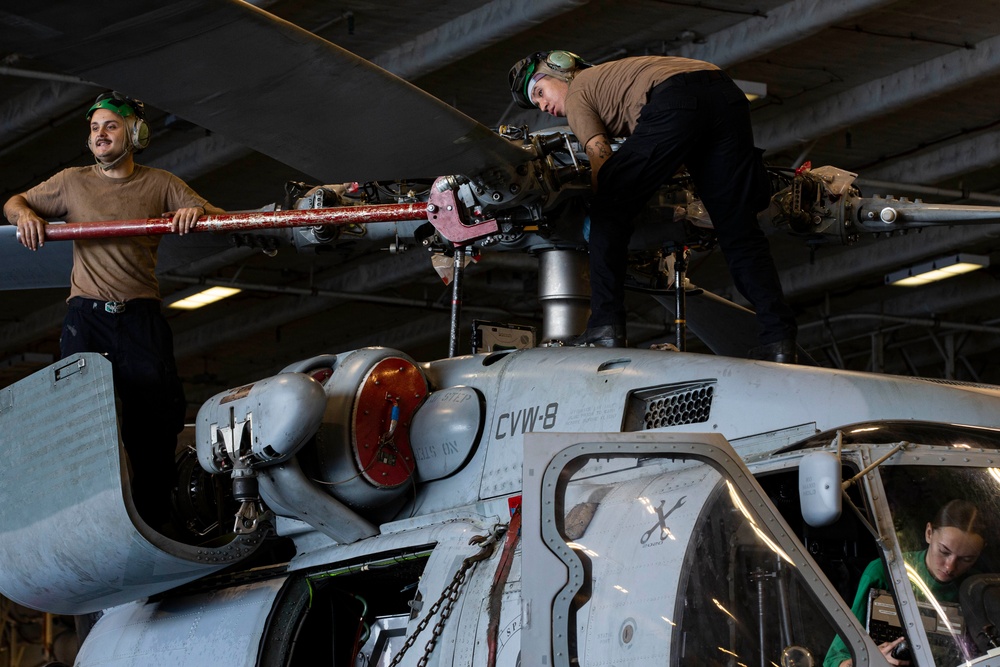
[[743, 602], [842, 549]]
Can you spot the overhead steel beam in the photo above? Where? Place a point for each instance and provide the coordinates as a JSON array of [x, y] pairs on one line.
[[469, 33], [881, 96], [784, 25], [919, 306], [880, 256], [975, 152]]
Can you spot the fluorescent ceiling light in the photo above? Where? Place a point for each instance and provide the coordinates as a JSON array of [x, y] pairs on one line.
[[754, 90], [203, 298], [938, 269]]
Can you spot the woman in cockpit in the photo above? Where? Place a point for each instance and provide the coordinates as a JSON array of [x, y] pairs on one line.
[[955, 538]]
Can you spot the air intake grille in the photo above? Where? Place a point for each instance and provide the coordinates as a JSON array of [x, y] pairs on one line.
[[669, 405]]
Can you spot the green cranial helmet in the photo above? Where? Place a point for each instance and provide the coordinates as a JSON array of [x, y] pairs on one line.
[[133, 112], [119, 104], [558, 64]]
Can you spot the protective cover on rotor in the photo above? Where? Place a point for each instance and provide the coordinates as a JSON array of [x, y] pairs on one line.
[[362, 453], [265, 422]]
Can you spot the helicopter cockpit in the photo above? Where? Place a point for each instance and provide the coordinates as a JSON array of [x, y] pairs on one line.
[[901, 475], [669, 552]]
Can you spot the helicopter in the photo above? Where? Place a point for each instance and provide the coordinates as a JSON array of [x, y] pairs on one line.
[[353, 574], [544, 505]]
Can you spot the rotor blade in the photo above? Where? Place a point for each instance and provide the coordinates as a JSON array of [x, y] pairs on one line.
[[266, 83]]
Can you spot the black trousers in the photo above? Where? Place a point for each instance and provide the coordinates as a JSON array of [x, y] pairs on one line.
[[701, 120], [140, 346]]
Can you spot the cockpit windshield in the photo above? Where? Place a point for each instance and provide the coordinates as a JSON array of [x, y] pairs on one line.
[[926, 433]]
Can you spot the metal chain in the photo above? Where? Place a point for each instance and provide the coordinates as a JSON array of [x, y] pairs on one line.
[[449, 596]]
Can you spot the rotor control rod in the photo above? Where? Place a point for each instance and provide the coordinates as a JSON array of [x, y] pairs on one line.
[[249, 220], [444, 211]]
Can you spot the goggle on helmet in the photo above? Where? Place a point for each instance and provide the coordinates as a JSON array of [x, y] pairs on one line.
[[117, 103]]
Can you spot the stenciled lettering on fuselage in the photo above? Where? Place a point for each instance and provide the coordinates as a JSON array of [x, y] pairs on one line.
[[448, 448], [526, 420], [661, 521]]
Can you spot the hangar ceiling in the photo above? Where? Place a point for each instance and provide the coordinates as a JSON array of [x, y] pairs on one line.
[[901, 92]]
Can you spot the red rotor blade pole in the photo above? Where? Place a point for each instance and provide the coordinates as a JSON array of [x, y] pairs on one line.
[[231, 222]]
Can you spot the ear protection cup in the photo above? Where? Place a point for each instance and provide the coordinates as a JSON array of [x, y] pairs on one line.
[[560, 64], [139, 134], [562, 61]]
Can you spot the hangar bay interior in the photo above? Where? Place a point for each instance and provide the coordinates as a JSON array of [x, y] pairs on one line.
[[900, 92]]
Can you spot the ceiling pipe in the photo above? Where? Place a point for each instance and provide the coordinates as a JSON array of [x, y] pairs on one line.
[[928, 323]]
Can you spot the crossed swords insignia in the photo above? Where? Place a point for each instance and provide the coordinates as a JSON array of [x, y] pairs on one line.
[[661, 521]]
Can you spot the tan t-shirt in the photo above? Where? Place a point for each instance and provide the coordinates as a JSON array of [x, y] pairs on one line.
[[114, 269], [608, 98]]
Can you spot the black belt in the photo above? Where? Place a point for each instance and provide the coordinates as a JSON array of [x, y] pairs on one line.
[[690, 78], [114, 307]]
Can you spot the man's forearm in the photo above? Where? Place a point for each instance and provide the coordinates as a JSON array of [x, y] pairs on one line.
[[598, 151], [14, 208]]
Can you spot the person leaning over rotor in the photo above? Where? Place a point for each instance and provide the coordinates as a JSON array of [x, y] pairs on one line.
[[673, 111], [114, 301]]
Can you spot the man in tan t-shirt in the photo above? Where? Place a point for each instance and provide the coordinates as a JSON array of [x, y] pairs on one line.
[[114, 301], [674, 112]]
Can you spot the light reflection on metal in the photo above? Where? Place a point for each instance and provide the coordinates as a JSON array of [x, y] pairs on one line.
[[725, 650], [675, 625], [648, 504], [994, 473], [863, 430], [961, 445], [926, 593], [576, 546], [738, 503], [725, 611], [619, 588]]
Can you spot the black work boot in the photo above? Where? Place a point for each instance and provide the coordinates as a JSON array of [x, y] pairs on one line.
[[608, 335], [782, 352]]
